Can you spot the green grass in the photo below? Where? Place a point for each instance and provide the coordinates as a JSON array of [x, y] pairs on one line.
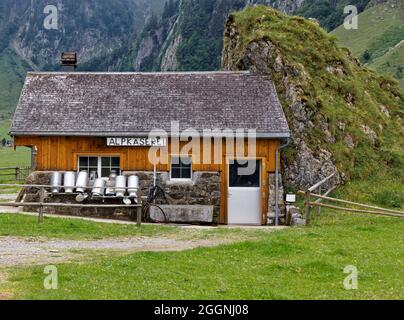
[[380, 28], [65, 228], [391, 63], [377, 23], [9, 157], [303, 263], [27, 226], [21, 157], [12, 74]]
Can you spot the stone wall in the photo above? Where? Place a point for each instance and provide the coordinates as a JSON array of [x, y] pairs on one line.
[[203, 189], [272, 199]]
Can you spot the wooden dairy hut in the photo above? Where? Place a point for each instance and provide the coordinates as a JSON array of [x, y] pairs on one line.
[[101, 122]]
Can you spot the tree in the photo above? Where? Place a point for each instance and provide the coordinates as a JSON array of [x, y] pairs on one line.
[[366, 56]]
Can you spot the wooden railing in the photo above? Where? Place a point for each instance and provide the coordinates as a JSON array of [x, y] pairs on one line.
[[363, 208], [309, 192], [18, 173], [42, 196]]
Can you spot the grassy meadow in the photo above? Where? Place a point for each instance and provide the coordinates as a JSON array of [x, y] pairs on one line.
[[380, 29], [294, 263]]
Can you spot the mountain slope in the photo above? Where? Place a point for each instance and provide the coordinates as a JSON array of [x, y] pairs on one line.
[[101, 31], [191, 37], [12, 74], [343, 116], [330, 13], [392, 63], [380, 29]]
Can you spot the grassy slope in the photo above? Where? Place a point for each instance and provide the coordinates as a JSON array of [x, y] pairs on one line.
[[379, 28], [304, 263], [373, 24], [391, 63], [10, 157], [12, 75], [370, 168], [20, 157]]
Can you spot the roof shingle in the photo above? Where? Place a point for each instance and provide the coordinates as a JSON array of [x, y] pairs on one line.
[[131, 104]]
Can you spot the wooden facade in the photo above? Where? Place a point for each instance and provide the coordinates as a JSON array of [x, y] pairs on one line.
[[60, 153]]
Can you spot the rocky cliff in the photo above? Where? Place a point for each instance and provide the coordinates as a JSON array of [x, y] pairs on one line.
[[93, 28], [344, 117], [101, 31], [191, 36]]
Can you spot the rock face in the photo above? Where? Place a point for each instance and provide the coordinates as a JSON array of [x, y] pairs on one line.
[[92, 28], [192, 34], [263, 57], [336, 108]]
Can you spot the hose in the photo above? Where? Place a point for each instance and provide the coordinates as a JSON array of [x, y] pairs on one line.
[[153, 195]]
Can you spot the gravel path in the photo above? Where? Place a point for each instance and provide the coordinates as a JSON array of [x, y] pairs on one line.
[[23, 251], [10, 197]]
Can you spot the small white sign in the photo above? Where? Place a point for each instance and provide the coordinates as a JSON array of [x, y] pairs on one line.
[[136, 142], [291, 198]]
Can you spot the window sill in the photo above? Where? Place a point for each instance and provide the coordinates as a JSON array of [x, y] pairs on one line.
[[180, 181]]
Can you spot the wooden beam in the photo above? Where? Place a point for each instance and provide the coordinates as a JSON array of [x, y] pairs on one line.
[[67, 205], [320, 183], [353, 210], [355, 203]]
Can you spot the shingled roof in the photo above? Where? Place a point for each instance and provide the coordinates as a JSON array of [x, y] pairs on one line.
[[131, 104]]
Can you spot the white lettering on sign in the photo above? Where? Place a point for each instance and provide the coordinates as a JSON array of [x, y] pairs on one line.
[[136, 142]]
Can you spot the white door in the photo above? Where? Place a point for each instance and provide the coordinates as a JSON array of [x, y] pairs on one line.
[[244, 192]]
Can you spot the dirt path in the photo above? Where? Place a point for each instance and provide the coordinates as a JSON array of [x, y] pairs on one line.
[[27, 251]]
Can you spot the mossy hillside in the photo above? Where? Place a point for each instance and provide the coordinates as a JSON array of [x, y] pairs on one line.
[[375, 42], [392, 63], [347, 101], [12, 74], [380, 27]]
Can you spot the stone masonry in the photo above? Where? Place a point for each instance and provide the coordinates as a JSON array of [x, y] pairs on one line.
[[272, 198], [203, 189]]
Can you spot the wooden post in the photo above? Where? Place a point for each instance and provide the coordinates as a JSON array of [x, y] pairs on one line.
[[319, 208], [17, 173], [307, 207], [41, 200], [139, 215]]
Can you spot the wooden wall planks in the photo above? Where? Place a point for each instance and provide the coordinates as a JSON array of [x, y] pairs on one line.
[[61, 154]]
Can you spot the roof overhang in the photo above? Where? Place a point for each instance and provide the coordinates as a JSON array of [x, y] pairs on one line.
[[212, 134]]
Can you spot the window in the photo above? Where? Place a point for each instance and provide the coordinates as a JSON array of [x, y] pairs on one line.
[[238, 179], [101, 165], [88, 164], [109, 164], [181, 168]]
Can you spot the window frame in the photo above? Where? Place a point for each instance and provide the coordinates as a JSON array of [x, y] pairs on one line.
[[190, 167], [259, 163], [99, 162]]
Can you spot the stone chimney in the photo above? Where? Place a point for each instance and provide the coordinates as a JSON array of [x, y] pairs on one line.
[[68, 61]]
